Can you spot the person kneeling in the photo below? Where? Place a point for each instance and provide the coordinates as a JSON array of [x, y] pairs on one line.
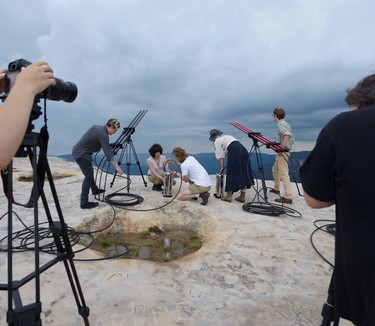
[[194, 173], [157, 166]]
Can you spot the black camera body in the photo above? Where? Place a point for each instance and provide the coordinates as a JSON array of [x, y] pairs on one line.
[[61, 91]]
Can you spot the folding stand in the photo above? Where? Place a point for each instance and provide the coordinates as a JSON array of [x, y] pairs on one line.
[[29, 315], [125, 144], [328, 311], [264, 208]]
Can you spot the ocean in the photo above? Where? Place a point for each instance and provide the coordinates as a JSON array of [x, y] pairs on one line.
[[259, 163]]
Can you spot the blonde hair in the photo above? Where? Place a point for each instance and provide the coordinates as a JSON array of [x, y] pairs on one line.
[[180, 154], [113, 123]]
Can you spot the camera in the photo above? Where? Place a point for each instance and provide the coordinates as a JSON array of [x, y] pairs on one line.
[[61, 91]]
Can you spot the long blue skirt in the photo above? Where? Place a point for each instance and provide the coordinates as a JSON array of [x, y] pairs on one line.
[[239, 173]]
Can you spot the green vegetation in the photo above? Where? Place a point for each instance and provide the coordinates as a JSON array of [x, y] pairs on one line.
[[149, 244], [105, 242]]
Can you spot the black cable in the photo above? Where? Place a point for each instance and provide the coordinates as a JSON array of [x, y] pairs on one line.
[[260, 204], [329, 228], [131, 201]]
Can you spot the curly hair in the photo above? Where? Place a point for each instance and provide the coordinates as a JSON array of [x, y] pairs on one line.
[[155, 149], [180, 154], [363, 94]]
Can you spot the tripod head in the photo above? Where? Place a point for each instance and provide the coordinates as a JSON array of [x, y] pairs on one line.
[[127, 132], [257, 137]]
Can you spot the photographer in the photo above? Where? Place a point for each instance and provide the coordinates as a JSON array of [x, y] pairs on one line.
[[15, 111], [338, 172]]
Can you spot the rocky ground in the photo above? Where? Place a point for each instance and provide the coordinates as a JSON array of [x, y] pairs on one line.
[[252, 269]]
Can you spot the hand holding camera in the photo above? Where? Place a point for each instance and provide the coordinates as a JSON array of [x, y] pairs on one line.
[[2, 76], [22, 85], [35, 78], [38, 76]]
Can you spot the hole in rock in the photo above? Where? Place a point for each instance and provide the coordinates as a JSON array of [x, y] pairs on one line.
[[161, 235]]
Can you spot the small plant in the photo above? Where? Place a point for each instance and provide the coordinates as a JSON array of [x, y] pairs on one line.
[[165, 259], [165, 249], [144, 234], [194, 245], [105, 242], [193, 237], [132, 250]]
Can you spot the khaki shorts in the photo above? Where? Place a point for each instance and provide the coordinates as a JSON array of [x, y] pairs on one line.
[[195, 189], [156, 180]]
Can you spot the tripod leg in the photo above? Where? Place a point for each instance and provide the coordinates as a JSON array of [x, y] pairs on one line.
[[139, 166], [64, 248], [328, 311], [256, 150]]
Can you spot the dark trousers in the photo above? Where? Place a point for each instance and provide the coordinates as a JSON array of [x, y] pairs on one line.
[[88, 182]]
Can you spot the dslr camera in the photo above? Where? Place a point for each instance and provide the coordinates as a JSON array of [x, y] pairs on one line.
[[61, 91]]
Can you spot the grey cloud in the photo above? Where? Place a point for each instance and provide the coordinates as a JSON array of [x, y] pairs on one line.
[[194, 65]]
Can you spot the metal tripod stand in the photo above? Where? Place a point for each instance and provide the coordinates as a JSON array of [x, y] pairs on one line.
[[263, 206], [328, 311], [124, 144], [19, 314]]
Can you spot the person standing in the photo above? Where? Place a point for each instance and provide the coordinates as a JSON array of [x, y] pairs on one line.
[[239, 173], [157, 165], [280, 169], [339, 172], [95, 139], [194, 173]]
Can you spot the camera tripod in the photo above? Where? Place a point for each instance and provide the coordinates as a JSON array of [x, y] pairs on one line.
[[263, 206], [328, 311], [124, 143], [29, 315]]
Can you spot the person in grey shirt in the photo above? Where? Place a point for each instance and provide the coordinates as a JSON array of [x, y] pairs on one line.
[[280, 169], [95, 139]]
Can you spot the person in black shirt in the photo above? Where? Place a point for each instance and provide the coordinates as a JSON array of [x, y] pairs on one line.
[[339, 171]]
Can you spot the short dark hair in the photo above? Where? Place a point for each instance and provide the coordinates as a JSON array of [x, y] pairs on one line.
[[155, 149], [363, 94]]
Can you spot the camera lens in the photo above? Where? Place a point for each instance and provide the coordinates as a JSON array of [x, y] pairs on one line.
[[62, 91]]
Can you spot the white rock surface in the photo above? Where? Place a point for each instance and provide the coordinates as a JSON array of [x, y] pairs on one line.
[[252, 269]]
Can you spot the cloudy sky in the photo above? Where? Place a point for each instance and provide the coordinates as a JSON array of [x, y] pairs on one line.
[[194, 65]]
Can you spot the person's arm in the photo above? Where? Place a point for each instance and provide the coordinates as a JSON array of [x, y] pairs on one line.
[[15, 112], [182, 177], [166, 165], [104, 144], [285, 140], [317, 173], [117, 167], [154, 172], [314, 203], [221, 162]]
